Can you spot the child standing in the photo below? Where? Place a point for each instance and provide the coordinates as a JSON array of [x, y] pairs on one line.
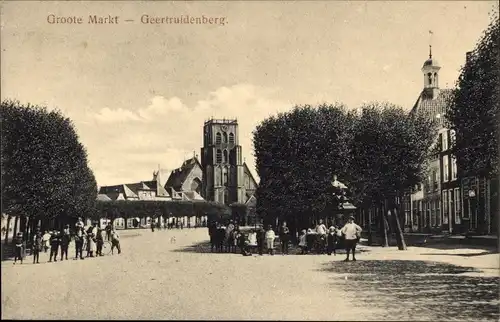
[[19, 248], [55, 241], [99, 241], [303, 242], [270, 236], [37, 246], [46, 241], [65, 239], [332, 241]]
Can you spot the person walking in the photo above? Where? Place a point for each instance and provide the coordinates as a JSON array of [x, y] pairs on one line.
[[37, 246], [284, 238], [115, 242], [352, 233], [270, 236]]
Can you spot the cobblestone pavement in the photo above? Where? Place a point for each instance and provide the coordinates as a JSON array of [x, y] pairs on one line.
[[157, 277]]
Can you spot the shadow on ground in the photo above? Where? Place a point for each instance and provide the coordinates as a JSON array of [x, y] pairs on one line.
[[414, 290], [205, 247], [462, 254]]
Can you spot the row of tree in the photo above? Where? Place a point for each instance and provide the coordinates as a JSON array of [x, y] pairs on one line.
[[378, 151], [45, 173], [474, 111]]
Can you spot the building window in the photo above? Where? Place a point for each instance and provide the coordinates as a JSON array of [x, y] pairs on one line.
[[429, 76], [226, 159], [231, 138], [218, 138], [225, 178], [445, 168], [435, 179], [433, 214], [453, 168], [451, 208], [226, 197], [457, 205], [219, 156], [444, 136], [225, 137], [438, 212], [445, 207]]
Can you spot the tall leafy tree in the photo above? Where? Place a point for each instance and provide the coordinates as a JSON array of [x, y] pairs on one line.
[[44, 167], [297, 154], [474, 108], [389, 154]]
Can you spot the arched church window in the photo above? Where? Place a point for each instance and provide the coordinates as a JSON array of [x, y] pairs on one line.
[[218, 138], [435, 78], [231, 138], [226, 197], [225, 137], [429, 75], [218, 156], [225, 177], [225, 156]]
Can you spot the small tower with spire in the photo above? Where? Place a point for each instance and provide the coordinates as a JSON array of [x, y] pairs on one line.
[[430, 69]]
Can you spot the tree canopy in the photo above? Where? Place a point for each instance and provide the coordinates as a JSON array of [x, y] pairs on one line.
[[44, 166], [473, 111], [389, 152], [297, 154], [378, 153]]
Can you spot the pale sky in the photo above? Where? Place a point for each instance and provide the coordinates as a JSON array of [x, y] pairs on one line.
[[138, 94]]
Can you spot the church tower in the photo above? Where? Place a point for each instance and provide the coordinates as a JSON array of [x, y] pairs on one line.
[[430, 69], [221, 160]]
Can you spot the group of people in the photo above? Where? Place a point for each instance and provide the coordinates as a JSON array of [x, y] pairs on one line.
[[60, 240], [227, 238]]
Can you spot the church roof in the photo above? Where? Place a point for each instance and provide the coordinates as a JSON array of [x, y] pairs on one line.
[[247, 169], [431, 107], [104, 197], [179, 175]]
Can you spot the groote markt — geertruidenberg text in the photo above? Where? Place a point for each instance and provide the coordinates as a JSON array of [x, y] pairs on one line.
[[144, 19]]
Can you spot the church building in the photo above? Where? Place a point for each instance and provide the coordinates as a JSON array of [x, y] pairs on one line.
[[434, 205], [226, 178]]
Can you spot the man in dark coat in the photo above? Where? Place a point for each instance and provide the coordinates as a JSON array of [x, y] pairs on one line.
[[261, 240]]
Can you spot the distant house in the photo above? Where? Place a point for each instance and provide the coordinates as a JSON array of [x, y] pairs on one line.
[[144, 190]]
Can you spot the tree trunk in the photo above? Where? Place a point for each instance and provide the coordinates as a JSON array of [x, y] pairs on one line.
[[14, 232], [399, 232], [370, 237], [9, 218], [386, 227]]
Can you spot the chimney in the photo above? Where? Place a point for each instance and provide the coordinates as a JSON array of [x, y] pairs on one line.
[[468, 57]]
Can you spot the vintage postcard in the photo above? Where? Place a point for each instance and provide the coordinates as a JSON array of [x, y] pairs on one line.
[[250, 160]]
